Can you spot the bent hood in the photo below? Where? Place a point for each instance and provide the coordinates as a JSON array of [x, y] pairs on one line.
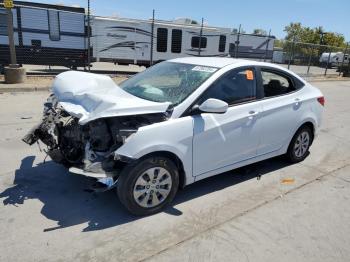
[[90, 96]]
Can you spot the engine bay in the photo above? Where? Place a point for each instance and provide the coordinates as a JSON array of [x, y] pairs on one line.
[[89, 146]]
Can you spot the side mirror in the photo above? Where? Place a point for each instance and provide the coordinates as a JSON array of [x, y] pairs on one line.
[[213, 105]]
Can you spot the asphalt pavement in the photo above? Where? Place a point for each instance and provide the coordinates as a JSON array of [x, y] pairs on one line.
[[269, 211]]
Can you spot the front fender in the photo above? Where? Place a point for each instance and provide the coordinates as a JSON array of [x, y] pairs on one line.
[[174, 136]]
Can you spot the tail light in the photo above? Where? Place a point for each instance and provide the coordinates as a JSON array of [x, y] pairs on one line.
[[321, 100]]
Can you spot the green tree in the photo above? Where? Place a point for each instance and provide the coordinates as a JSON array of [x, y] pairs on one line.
[[304, 36], [300, 33], [259, 31], [235, 31]]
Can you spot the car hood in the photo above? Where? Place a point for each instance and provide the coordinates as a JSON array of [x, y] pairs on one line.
[[90, 96]]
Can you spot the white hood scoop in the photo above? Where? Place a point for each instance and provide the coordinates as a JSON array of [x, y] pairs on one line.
[[90, 96]]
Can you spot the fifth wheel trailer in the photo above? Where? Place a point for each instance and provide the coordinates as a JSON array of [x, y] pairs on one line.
[[128, 41], [45, 34]]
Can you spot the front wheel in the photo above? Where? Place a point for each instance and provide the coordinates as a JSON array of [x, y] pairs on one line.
[[299, 146], [148, 185]]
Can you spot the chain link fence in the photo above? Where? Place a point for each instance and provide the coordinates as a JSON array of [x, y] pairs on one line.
[[311, 59], [50, 39]]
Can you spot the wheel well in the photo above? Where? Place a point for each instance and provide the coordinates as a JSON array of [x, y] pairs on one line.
[[311, 126], [177, 161]]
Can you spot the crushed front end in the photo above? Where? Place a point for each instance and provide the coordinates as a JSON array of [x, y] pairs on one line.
[[87, 149]]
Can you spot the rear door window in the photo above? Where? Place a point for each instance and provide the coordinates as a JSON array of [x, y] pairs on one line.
[[276, 83]]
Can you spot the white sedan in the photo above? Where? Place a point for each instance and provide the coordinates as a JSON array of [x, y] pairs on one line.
[[177, 122]]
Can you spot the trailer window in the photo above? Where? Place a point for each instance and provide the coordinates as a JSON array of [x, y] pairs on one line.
[[232, 49], [195, 42], [36, 43], [162, 40], [3, 22], [176, 41], [54, 25], [222, 43]]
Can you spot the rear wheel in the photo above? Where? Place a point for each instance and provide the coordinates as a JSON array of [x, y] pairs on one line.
[[299, 146], [149, 185]]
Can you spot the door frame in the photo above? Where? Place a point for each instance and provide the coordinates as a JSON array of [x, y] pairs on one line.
[[259, 90]]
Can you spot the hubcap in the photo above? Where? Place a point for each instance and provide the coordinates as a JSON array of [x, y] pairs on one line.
[[302, 144], [152, 187]]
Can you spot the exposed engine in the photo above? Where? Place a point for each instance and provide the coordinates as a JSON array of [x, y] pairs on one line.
[[72, 144]]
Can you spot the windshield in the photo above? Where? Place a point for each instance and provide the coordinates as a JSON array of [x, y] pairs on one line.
[[167, 82]]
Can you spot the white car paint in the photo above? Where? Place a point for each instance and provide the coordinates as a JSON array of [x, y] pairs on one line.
[[206, 144], [91, 96], [220, 140], [245, 134]]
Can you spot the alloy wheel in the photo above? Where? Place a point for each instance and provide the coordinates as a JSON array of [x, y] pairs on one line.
[[152, 187]]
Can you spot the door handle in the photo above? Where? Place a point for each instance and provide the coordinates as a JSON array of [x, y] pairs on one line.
[[297, 101], [252, 114]]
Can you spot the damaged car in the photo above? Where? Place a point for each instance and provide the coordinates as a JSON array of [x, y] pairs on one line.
[[175, 123]]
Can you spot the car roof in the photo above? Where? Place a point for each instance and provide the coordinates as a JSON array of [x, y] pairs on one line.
[[220, 62]]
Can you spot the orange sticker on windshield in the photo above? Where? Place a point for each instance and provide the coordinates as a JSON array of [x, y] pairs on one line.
[[249, 74]]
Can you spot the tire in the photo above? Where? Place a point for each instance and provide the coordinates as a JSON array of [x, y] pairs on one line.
[[298, 148], [140, 193]]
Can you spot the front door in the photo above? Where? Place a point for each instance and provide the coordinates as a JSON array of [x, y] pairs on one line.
[[222, 140]]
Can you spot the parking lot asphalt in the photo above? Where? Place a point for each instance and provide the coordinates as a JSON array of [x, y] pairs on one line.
[[269, 211]]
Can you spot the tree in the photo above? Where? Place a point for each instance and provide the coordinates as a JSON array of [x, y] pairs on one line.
[[304, 36], [299, 33], [259, 31], [278, 43], [235, 31]]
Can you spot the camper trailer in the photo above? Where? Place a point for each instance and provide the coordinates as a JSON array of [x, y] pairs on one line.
[[129, 41], [334, 59], [45, 34]]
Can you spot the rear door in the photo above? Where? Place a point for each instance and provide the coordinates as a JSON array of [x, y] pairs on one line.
[[281, 109]]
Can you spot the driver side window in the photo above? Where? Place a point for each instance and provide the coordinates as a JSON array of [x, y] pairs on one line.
[[234, 87]]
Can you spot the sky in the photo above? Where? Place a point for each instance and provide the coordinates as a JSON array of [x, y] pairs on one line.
[[332, 15]]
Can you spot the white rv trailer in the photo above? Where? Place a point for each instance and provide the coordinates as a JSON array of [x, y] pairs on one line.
[[335, 59], [45, 34], [128, 41]]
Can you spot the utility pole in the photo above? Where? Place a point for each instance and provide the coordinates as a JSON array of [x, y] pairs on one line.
[[322, 34], [237, 41], [342, 62], [267, 45], [200, 39], [13, 74], [89, 36], [152, 38], [13, 60]]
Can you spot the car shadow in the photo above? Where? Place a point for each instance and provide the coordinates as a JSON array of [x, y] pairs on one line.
[[65, 197]]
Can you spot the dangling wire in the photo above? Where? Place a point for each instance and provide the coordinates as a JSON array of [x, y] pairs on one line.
[[39, 146]]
